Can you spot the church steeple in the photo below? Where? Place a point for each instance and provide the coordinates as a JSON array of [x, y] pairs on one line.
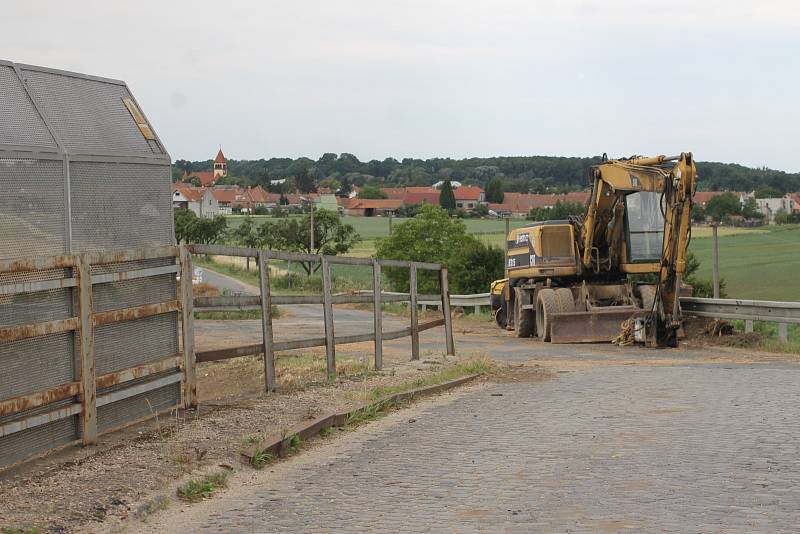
[[220, 165]]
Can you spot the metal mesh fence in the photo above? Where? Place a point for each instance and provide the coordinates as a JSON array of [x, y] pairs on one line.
[[78, 174]]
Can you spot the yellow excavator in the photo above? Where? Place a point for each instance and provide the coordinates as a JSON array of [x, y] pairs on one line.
[[616, 270]]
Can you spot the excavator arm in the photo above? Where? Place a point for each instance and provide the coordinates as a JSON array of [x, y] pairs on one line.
[[610, 215]]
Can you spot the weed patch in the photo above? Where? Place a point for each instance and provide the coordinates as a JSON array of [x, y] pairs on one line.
[[261, 459], [479, 366], [199, 489]]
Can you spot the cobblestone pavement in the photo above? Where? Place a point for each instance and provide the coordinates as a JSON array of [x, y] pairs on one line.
[[671, 448]]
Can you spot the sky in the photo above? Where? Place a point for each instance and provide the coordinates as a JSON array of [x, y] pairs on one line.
[[439, 78]]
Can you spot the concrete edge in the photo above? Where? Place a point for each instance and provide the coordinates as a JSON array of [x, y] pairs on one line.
[[278, 444]]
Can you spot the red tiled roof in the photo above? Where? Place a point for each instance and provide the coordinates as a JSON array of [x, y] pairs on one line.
[[394, 192], [419, 198], [375, 203], [524, 202], [468, 192], [192, 194], [206, 178], [220, 157], [233, 195], [701, 197]]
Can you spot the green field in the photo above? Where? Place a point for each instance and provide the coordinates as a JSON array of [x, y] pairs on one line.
[[759, 263]]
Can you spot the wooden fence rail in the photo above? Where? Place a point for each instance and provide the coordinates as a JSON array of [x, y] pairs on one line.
[[377, 297]]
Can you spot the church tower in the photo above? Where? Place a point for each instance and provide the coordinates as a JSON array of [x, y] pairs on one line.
[[220, 165]]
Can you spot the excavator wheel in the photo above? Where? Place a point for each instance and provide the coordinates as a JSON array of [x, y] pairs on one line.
[[565, 300], [524, 320], [546, 306]]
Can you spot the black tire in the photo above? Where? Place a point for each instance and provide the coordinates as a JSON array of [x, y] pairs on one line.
[[500, 317], [564, 300], [524, 320], [546, 306]]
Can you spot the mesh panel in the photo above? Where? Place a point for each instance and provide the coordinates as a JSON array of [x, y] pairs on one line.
[[31, 365], [88, 115], [122, 345], [120, 205], [21, 123], [32, 212], [37, 440], [137, 407]]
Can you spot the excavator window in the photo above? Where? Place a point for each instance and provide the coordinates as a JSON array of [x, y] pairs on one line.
[[645, 224]]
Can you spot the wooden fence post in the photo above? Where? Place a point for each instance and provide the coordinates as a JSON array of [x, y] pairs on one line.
[[412, 284], [327, 304], [187, 329], [376, 288], [88, 385], [448, 323], [266, 322]]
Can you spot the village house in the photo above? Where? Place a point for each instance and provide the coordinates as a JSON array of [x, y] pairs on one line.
[[469, 197], [200, 200]]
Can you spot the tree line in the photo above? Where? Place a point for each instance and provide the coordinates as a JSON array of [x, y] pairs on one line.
[[527, 174]]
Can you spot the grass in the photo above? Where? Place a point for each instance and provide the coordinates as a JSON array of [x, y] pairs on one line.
[[296, 372], [756, 263], [261, 459], [478, 366], [242, 315], [769, 341], [199, 489]]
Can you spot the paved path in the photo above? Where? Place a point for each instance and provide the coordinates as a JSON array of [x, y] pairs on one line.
[[667, 448], [618, 440]]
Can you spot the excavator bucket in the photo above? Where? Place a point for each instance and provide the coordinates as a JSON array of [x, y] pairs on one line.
[[596, 326]]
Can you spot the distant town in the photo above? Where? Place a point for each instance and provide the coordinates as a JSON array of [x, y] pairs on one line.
[[203, 193]]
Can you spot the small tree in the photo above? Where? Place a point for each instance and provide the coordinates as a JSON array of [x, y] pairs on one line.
[[750, 209], [345, 189], [494, 191], [447, 199], [189, 228], [431, 236], [370, 191], [246, 235], [722, 206], [304, 182], [698, 213], [783, 217], [331, 236], [475, 266]]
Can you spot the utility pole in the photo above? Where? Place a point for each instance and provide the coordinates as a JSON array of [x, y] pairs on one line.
[[505, 244], [390, 223], [715, 259], [311, 265]]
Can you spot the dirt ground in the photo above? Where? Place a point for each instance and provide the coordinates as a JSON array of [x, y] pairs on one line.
[[134, 472]]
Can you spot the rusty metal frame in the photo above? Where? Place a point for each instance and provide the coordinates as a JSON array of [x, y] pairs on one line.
[[87, 384]]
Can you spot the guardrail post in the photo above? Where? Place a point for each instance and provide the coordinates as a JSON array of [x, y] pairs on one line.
[[327, 304], [88, 385], [187, 328], [378, 311], [748, 326], [266, 321], [448, 324], [412, 284], [783, 332]]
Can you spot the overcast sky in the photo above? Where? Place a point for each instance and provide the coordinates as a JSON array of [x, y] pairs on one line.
[[381, 78]]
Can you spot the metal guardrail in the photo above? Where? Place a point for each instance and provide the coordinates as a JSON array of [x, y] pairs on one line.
[[377, 297], [782, 313]]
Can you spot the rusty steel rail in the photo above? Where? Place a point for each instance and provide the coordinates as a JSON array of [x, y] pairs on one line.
[[86, 386], [268, 347]]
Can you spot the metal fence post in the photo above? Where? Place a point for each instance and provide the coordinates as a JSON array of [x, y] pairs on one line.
[[330, 347], [783, 332], [448, 323], [187, 329], [266, 321], [412, 284], [88, 385], [376, 288]]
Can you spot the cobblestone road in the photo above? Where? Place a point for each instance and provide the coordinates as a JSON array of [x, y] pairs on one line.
[[673, 448]]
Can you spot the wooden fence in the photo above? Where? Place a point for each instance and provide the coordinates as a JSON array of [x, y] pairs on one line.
[[268, 347]]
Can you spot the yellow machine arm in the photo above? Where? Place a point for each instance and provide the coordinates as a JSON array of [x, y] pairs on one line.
[[607, 246]]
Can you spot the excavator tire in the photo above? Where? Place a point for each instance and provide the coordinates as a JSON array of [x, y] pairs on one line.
[[546, 306], [524, 320], [565, 300]]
